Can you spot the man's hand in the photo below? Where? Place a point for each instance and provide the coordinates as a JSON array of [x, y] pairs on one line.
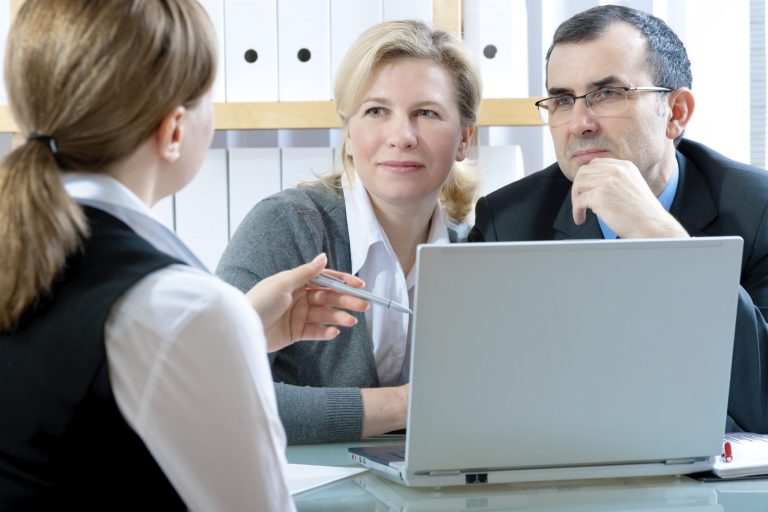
[[292, 309], [617, 193]]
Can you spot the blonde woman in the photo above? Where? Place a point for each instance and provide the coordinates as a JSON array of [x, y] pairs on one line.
[[131, 378], [408, 99]]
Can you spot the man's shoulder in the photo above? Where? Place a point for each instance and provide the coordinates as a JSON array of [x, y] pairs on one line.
[[523, 210], [710, 160], [723, 172], [547, 183]]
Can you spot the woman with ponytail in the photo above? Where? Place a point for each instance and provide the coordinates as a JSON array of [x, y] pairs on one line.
[[130, 377]]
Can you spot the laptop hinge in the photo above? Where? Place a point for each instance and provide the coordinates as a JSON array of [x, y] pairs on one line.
[[444, 472], [670, 462]]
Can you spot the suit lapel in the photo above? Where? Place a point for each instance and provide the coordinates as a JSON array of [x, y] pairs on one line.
[[566, 229], [693, 206]]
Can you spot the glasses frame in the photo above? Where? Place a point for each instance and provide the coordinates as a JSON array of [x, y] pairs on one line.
[[544, 109]]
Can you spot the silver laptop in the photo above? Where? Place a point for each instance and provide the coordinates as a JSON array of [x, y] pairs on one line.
[[537, 361]]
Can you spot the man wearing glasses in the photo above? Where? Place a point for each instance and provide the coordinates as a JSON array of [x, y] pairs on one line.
[[619, 100]]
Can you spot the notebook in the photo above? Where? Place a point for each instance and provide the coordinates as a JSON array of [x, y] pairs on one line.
[[747, 457], [537, 361]]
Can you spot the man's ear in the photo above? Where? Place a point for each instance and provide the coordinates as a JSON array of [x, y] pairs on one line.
[[467, 132], [681, 105], [169, 134]]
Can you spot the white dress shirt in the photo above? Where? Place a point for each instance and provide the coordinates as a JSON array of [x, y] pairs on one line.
[[375, 262], [189, 371]]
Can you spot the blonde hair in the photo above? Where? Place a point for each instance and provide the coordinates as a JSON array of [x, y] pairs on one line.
[[411, 39], [97, 78]]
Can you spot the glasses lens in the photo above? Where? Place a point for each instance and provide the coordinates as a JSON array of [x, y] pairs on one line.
[[607, 102], [543, 113]]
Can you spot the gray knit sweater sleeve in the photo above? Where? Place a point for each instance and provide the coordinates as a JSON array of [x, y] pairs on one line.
[[317, 383]]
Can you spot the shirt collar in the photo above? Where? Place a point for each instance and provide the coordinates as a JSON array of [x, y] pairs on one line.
[[666, 198], [365, 230], [109, 195]]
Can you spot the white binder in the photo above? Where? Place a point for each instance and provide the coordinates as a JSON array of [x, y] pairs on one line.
[[251, 50], [201, 210], [215, 9], [304, 164], [408, 10], [254, 173], [163, 210], [498, 166], [304, 50], [349, 18], [496, 32]]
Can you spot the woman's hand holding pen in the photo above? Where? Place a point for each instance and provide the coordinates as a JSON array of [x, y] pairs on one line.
[[292, 309]]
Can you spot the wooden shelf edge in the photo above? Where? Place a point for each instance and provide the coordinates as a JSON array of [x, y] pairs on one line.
[[322, 115], [508, 112], [7, 124], [276, 115]]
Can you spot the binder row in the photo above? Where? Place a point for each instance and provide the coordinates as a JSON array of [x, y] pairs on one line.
[[208, 211], [289, 50]]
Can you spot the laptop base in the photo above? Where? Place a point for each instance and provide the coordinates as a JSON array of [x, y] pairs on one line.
[[379, 460]]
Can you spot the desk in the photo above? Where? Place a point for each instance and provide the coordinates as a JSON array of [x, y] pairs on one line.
[[368, 493]]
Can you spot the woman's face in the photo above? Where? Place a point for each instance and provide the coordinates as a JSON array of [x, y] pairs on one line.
[[406, 133]]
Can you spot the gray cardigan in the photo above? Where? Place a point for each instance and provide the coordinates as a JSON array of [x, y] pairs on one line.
[[317, 383]]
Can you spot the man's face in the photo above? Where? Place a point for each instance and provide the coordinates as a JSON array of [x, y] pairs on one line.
[[616, 58]]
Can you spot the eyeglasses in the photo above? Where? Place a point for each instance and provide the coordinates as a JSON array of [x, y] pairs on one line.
[[604, 102]]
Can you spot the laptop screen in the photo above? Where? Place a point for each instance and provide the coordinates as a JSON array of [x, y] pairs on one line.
[[548, 354]]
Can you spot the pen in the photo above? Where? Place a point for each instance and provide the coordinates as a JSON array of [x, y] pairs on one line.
[[727, 452], [340, 286]]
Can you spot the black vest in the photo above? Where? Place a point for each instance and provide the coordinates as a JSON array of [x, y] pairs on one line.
[[63, 442]]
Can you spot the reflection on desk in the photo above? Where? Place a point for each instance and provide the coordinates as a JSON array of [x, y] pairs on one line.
[[641, 494], [369, 493]]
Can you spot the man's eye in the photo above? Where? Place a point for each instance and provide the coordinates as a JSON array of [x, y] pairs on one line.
[[605, 94], [563, 101]]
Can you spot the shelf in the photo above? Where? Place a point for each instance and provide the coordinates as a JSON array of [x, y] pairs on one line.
[[322, 114], [447, 14], [7, 124], [509, 112], [276, 115]]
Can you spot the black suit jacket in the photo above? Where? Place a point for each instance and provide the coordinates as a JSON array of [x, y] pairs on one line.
[[716, 196]]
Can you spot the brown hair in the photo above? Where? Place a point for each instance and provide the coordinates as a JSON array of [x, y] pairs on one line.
[[98, 78], [411, 39]]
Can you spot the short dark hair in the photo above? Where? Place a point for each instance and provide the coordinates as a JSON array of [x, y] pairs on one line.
[[667, 59]]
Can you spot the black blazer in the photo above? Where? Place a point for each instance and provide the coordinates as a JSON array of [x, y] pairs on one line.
[[716, 196]]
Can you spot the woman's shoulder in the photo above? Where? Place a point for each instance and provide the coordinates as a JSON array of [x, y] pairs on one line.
[[315, 197], [188, 296]]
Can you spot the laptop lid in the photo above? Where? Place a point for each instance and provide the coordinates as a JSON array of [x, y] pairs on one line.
[[535, 355]]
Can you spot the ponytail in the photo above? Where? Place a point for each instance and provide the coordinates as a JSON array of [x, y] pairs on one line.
[[96, 79], [40, 225]]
